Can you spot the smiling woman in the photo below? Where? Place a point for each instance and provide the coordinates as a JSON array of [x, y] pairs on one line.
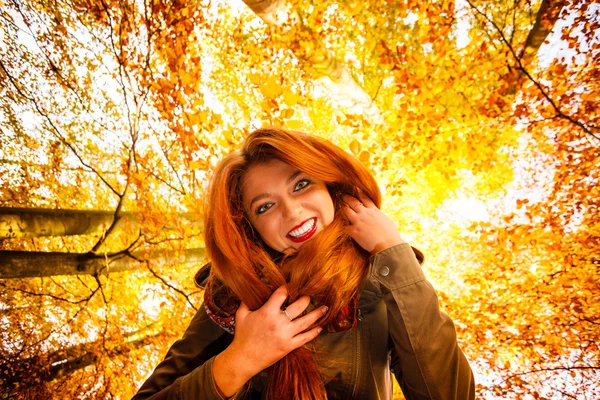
[[311, 291], [288, 208]]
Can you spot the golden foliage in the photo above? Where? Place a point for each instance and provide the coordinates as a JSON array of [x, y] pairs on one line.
[[485, 146]]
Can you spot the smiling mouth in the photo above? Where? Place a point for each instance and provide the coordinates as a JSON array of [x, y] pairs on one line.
[[304, 231]]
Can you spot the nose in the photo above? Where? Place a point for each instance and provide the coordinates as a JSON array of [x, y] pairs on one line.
[[291, 208]]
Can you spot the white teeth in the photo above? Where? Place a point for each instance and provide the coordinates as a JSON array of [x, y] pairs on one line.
[[304, 228]]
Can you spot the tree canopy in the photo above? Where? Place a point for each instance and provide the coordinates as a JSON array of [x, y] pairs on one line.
[[479, 119]]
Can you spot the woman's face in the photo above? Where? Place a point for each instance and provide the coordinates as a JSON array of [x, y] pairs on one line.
[[286, 206]]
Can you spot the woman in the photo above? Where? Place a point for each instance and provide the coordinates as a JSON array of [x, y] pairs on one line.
[[311, 292]]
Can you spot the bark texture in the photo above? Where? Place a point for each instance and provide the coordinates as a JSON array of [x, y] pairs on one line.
[[30, 264], [38, 222]]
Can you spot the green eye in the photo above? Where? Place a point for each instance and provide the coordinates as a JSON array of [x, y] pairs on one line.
[[302, 183], [263, 208]]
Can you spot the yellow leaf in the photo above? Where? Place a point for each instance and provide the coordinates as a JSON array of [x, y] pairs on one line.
[[266, 106], [271, 88], [287, 113], [223, 141], [364, 157], [186, 78], [255, 79], [290, 98], [354, 147]]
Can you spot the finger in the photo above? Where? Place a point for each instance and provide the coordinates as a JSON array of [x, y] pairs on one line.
[[350, 214], [366, 200], [352, 202], [307, 320], [277, 298], [302, 338], [296, 308], [349, 199]]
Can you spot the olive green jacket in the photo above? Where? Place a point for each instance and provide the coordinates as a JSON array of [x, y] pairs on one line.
[[400, 330]]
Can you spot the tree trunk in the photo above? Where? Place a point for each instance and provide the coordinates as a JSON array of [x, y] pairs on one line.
[[37, 222], [342, 86], [30, 264], [544, 22]]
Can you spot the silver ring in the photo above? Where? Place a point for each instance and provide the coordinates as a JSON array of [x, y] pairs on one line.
[[286, 314], [359, 204]]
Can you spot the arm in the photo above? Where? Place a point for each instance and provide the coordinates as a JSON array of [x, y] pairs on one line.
[[206, 364], [430, 363], [186, 371]]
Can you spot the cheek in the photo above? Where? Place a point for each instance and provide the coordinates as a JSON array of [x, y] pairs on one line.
[[270, 234], [268, 229], [332, 213], [328, 208]]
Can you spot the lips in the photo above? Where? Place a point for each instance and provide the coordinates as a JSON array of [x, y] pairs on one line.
[[303, 231]]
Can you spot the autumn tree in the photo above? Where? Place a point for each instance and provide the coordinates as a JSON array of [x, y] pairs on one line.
[[79, 133], [543, 241], [114, 114]]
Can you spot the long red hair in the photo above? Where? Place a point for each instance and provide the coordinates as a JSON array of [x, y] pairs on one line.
[[329, 269]]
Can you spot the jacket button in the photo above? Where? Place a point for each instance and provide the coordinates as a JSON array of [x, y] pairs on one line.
[[384, 271]]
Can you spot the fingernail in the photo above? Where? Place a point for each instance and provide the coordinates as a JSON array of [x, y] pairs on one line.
[[319, 330], [324, 309]]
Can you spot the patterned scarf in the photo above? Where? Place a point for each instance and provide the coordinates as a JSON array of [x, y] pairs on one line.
[[221, 304]]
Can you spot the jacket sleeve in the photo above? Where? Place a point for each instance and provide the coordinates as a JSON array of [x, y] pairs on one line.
[[430, 365], [186, 371]]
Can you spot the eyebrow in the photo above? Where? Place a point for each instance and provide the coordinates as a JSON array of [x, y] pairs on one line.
[[261, 196]]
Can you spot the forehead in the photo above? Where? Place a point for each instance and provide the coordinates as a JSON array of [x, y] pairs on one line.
[[264, 177]]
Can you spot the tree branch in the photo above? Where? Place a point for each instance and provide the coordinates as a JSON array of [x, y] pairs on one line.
[[167, 284], [524, 71]]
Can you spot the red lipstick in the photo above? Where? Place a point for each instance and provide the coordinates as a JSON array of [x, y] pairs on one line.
[[307, 235]]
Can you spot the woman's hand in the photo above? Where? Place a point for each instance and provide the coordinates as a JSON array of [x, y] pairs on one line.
[[370, 227], [262, 338]]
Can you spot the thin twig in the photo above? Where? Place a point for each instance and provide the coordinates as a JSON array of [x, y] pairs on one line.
[[181, 292], [521, 67]]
